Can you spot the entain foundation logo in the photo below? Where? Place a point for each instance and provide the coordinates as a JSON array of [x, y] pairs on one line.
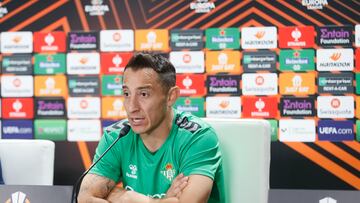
[[295, 106], [330, 36], [223, 84], [18, 197], [83, 40], [50, 108]]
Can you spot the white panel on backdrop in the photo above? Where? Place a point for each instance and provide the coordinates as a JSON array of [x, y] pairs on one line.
[[297, 130], [334, 59], [259, 84], [16, 42], [17, 86], [116, 40], [188, 61], [84, 130], [83, 63], [357, 35], [83, 107], [223, 107], [258, 37], [335, 106]]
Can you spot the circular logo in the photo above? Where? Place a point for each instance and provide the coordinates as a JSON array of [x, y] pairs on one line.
[[335, 103], [259, 80], [83, 104], [17, 82], [187, 58], [117, 36]]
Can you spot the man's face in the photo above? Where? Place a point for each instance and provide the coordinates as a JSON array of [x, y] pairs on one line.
[[145, 100]]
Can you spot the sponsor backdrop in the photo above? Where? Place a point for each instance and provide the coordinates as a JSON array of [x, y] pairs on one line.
[[294, 63]]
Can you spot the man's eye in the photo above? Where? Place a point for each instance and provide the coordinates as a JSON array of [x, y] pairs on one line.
[[144, 94], [126, 94]]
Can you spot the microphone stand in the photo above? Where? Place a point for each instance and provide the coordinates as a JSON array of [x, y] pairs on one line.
[[75, 191]]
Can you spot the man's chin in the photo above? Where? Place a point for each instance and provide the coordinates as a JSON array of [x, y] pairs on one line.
[[138, 129]]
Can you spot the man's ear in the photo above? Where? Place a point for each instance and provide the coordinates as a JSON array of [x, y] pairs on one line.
[[173, 94]]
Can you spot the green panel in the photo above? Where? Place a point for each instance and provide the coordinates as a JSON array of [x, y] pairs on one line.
[[49, 64], [50, 129], [274, 130], [297, 60], [357, 77], [111, 85], [194, 106], [227, 38], [358, 130]]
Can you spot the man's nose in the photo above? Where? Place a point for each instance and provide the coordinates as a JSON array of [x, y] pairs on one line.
[[133, 103]]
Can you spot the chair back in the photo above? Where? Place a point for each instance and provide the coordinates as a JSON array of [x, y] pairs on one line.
[[245, 145], [27, 162]]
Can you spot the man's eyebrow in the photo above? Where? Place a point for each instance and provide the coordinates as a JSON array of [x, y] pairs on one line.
[[141, 87]]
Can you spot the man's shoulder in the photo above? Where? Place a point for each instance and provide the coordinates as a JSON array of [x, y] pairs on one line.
[[190, 123], [115, 127]]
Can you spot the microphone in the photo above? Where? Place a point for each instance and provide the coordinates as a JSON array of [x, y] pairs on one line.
[[76, 188]]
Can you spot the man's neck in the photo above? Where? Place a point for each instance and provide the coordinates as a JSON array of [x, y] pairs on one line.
[[157, 138]]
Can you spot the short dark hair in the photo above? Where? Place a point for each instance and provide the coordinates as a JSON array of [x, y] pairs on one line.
[[165, 69]]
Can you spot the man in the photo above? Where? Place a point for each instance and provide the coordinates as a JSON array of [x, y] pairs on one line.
[[167, 156]]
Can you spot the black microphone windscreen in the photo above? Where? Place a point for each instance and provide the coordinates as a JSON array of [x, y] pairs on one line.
[[124, 130]]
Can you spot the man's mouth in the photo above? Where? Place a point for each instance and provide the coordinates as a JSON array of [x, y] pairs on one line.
[[136, 120]]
